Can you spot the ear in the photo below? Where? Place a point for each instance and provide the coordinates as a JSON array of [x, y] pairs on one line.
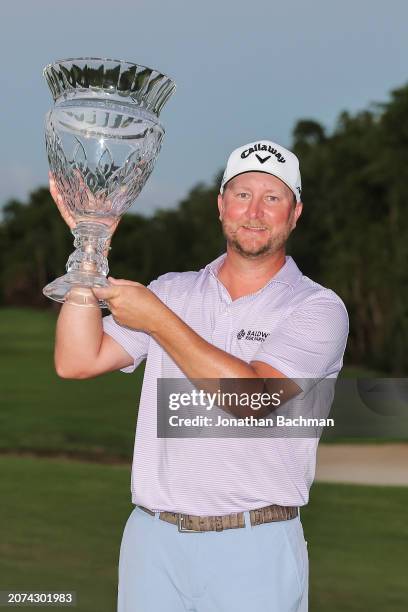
[[220, 203], [297, 213]]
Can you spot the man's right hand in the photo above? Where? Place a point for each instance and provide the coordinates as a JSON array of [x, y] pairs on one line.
[[69, 218]]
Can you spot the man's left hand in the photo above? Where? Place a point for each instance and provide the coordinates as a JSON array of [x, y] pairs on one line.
[[131, 304]]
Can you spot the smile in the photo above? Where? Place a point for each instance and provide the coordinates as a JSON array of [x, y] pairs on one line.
[[254, 229]]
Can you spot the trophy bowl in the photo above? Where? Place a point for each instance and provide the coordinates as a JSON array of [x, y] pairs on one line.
[[102, 137]]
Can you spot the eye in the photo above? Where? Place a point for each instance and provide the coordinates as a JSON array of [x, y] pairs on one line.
[[271, 198], [243, 195]]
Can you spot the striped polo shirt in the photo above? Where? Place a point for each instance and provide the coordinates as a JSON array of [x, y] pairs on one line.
[[293, 324]]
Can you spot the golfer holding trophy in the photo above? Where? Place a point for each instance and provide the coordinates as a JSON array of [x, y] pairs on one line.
[[216, 524]]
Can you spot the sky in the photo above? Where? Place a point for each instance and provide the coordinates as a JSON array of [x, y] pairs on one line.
[[244, 71]]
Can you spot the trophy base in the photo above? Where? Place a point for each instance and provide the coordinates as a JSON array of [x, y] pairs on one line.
[[75, 288]]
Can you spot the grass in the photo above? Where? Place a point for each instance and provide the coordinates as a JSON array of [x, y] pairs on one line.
[[61, 527], [41, 412], [357, 539], [62, 523]]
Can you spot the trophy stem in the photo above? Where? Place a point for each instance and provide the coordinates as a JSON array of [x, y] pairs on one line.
[[87, 267], [90, 242]]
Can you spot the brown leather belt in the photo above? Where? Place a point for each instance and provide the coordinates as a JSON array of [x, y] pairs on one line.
[[188, 523]]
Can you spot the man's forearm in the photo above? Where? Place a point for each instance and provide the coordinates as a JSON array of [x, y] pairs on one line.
[[196, 357], [206, 365], [78, 339]]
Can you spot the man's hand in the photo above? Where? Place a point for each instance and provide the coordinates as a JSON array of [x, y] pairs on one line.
[[132, 304], [67, 215], [59, 200]]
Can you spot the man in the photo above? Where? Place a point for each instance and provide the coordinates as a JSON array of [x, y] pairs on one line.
[[216, 523]]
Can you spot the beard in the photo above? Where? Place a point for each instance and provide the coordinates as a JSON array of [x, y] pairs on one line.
[[274, 243]]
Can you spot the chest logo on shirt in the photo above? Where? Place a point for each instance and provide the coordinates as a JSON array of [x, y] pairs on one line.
[[251, 334]]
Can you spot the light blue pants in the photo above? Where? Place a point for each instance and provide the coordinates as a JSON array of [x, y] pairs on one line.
[[254, 569]]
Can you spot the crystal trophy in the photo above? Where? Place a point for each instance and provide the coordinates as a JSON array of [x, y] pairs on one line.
[[102, 136]]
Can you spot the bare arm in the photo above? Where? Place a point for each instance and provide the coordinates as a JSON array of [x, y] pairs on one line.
[[82, 349]]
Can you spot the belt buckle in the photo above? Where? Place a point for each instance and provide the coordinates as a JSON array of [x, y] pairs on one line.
[[183, 529]]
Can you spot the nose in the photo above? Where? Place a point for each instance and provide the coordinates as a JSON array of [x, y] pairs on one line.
[[255, 208]]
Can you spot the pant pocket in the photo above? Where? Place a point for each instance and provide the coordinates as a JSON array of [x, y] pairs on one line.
[[146, 515], [298, 549]]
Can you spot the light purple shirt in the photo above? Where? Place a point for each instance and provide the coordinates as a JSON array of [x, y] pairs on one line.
[[293, 324]]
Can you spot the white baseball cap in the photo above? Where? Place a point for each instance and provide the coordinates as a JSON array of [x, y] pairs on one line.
[[265, 156]]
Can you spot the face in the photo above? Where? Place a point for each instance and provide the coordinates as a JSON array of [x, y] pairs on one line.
[[257, 213]]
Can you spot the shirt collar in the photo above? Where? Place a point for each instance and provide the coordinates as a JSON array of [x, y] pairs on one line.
[[289, 274]]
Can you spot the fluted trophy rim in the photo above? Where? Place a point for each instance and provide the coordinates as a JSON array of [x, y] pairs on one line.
[[106, 59], [151, 91]]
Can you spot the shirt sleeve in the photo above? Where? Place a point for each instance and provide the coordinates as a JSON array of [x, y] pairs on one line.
[[135, 342], [310, 342]]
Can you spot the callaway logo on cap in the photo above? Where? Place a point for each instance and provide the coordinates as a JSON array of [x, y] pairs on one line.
[[265, 156]]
